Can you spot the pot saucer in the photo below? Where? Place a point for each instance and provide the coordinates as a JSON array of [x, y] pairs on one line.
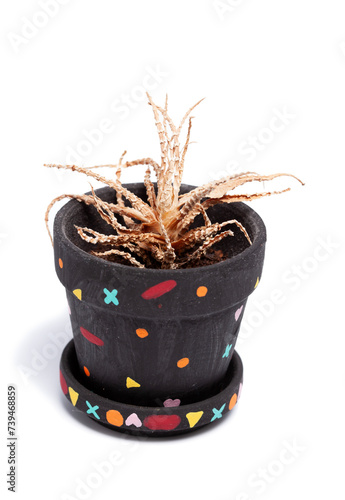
[[147, 420]]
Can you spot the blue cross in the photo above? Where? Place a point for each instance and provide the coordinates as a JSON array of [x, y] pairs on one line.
[[92, 410], [218, 413], [110, 297], [227, 350]]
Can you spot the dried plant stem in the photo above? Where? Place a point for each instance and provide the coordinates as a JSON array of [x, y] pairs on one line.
[[136, 202], [231, 198], [150, 190], [125, 255], [198, 235], [206, 245], [170, 255], [82, 198], [157, 233]]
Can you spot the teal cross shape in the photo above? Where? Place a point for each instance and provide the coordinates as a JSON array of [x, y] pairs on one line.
[[218, 413], [227, 350], [92, 410], [110, 297]]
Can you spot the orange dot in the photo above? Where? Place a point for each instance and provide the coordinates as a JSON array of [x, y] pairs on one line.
[[233, 401], [141, 332], [60, 263], [182, 362], [114, 417], [86, 371], [201, 291]]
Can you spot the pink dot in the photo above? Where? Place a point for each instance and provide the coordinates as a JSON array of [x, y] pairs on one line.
[[239, 391]]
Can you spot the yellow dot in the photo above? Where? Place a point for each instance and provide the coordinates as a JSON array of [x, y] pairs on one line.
[[141, 332], [60, 263], [201, 291], [233, 401], [114, 417], [182, 362], [86, 371], [257, 282]]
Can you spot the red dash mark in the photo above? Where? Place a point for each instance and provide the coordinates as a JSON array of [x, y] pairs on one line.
[[63, 384], [162, 422], [90, 337], [158, 290]]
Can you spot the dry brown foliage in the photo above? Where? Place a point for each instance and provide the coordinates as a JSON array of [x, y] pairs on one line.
[[158, 232]]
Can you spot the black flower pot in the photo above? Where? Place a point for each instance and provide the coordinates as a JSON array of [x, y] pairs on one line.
[[153, 349]]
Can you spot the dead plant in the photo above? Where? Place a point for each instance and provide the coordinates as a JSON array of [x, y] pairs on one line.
[[158, 233]]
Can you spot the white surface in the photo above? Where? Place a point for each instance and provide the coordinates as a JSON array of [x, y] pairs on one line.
[[262, 56]]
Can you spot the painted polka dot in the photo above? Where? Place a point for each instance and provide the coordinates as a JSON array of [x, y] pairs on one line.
[[233, 401], [182, 362], [141, 332], [114, 417], [60, 263], [238, 313], [87, 372], [201, 291]]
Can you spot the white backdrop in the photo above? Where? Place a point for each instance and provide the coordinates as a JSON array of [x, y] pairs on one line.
[[73, 79]]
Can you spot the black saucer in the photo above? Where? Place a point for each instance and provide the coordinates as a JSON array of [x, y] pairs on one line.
[[146, 420]]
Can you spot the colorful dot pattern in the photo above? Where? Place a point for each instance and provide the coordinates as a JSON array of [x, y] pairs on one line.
[[114, 417], [154, 422], [201, 291], [141, 332], [151, 419]]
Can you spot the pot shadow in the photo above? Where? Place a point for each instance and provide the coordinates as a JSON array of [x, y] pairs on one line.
[[37, 361]]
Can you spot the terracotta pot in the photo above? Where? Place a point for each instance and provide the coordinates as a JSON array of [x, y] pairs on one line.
[[153, 342]]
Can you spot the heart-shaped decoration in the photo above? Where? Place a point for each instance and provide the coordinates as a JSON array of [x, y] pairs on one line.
[[238, 313], [133, 419], [171, 403]]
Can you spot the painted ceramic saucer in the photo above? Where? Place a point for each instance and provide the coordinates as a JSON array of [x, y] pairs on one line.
[[170, 419]]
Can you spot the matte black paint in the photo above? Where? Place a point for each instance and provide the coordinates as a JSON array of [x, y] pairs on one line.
[[74, 378], [179, 323]]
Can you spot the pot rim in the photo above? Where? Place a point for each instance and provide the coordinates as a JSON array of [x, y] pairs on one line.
[[255, 221]]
